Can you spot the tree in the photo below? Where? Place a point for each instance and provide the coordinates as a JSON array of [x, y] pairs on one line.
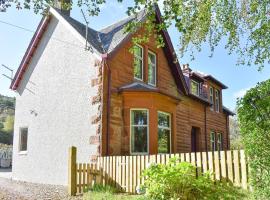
[[254, 118], [235, 135], [9, 124], [243, 25]]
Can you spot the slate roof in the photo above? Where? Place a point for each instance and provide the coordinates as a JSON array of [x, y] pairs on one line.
[[138, 86], [108, 38]]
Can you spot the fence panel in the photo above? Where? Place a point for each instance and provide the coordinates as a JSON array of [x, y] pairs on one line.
[[125, 172]]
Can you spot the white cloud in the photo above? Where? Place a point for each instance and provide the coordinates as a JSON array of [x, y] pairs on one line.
[[240, 93]]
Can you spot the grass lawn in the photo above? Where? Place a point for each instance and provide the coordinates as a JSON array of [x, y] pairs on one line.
[[111, 196]]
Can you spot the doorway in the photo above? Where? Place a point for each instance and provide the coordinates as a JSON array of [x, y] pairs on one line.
[[195, 139]]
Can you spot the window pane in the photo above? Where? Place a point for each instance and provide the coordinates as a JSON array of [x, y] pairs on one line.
[[151, 59], [194, 88], [163, 140], [139, 117], [163, 120], [138, 51], [23, 139], [139, 139], [152, 74], [152, 68], [137, 68]]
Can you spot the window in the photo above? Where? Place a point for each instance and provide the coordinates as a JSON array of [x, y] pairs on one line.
[[164, 132], [138, 62], [23, 139], [211, 97], [217, 100], [219, 142], [213, 140], [139, 131], [152, 65], [195, 87]]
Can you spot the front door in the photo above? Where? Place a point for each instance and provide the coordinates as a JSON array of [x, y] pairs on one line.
[[194, 139]]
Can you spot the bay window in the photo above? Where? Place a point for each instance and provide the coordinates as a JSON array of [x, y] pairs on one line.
[[152, 65], [164, 132], [139, 131], [138, 62]]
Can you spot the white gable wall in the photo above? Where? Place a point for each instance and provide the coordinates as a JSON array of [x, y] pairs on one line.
[[57, 87]]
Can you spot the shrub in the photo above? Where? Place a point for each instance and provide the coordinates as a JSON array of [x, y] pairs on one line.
[[178, 181], [254, 118]]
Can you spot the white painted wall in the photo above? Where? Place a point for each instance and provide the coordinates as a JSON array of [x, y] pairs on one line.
[[57, 86]]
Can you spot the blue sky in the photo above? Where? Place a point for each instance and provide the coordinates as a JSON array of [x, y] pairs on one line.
[[14, 41]]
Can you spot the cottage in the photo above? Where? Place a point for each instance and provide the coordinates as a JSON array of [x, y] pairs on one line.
[[105, 100]]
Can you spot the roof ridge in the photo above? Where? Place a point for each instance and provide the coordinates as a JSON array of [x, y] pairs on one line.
[[124, 19]]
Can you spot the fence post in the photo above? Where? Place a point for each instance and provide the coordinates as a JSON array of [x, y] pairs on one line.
[[72, 175]]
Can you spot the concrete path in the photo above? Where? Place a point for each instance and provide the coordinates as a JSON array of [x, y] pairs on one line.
[[6, 173]]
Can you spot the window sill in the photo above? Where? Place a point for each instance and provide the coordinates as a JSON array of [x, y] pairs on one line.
[[22, 153]]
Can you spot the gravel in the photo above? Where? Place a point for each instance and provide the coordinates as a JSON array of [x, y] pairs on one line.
[[18, 190]]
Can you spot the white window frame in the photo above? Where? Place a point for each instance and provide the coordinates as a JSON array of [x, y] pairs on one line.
[[217, 99], [170, 129], [213, 141], [152, 53], [20, 140], [130, 141], [140, 58], [198, 87], [211, 95], [219, 141]]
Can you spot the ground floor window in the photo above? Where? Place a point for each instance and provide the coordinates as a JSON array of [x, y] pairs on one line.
[[23, 139], [219, 142], [213, 140], [164, 132], [139, 131]]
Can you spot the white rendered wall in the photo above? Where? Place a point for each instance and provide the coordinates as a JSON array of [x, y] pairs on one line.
[[57, 87]]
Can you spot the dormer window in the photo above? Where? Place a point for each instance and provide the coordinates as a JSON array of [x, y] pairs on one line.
[[138, 62], [211, 97], [195, 88], [217, 100], [152, 65]]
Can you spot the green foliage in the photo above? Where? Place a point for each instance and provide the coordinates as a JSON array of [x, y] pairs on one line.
[[105, 189], [100, 192], [177, 180], [254, 118], [242, 25], [9, 124], [235, 134], [6, 138]]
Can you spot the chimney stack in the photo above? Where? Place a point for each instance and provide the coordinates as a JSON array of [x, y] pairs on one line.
[[63, 5], [186, 69]]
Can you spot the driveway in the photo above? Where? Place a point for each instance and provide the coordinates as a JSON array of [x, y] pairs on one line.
[[17, 190]]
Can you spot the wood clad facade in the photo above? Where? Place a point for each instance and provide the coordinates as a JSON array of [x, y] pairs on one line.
[[187, 114]]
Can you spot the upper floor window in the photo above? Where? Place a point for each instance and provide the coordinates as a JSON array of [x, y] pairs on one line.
[[164, 132], [213, 140], [217, 100], [219, 141], [211, 97], [139, 131], [195, 88], [152, 66], [23, 139], [138, 62]]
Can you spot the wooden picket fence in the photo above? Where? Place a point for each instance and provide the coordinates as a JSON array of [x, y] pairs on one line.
[[124, 172]]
